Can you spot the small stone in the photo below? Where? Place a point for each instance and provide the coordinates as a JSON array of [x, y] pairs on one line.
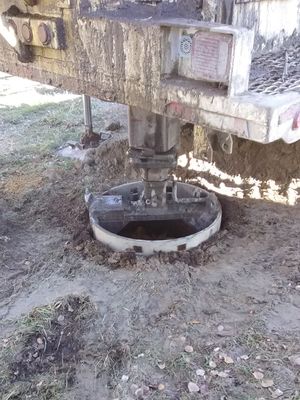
[[216, 349], [297, 288], [114, 126], [276, 394], [295, 360], [161, 365], [39, 341], [193, 387], [161, 387], [258, 375], [125, 378], [220, 328], [60, 318], [212, 364], [214, 373], [228, 360], [188, 349], [266, 383], [200, 372]]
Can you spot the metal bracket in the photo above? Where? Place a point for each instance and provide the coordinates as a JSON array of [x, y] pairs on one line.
[[8, 32], [225, 141], [37, 31], [219, 140]]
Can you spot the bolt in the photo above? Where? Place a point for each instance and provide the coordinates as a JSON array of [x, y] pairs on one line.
[[31, 2], [27, 32], [44, 33]]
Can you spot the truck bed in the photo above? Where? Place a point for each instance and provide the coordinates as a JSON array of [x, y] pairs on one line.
[[141, 61]]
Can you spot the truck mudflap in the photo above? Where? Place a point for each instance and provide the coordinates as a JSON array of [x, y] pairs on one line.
[[199, 72]]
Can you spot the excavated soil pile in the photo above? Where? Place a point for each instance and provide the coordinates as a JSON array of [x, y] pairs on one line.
[[109, 161], [277, 161]]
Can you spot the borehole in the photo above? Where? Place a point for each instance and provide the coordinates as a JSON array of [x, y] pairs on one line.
[[179, 225], [158, 230]]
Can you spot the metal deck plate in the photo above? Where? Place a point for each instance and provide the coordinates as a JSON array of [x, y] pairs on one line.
[[276, 72]]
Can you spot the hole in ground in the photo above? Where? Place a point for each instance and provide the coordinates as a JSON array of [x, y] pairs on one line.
[[158, 230]]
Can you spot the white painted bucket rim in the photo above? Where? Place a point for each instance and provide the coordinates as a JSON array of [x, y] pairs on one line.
[[149, 247]]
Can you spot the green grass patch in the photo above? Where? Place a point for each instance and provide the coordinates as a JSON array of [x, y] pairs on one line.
[[30, 131]]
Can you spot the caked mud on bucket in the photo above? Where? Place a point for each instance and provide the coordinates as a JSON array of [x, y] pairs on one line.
[[119, 221]]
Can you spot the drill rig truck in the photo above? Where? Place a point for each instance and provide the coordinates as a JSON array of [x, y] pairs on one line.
[[230, 66]]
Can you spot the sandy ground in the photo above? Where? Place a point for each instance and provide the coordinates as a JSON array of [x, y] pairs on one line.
[[224, 317]]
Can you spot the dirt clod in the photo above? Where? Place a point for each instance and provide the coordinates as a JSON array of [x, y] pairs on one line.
[[188, 349], [200, 372], [267, 383], [228, 359], [114, 126], [258, 375], [278, 161]]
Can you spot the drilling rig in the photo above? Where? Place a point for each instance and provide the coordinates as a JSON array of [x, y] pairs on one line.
[[230, 66]]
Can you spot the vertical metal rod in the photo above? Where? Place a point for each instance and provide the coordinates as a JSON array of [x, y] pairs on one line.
[[87, 113]]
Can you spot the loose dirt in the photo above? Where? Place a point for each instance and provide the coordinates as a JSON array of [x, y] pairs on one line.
[[45, 343], [278, 161], [235, 300]]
